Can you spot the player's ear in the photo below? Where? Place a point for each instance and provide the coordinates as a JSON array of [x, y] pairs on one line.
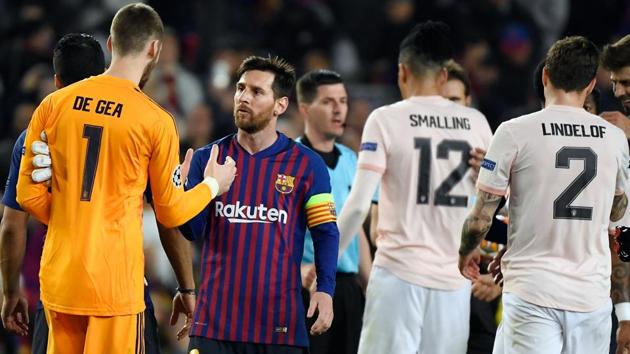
[[545, 76], [280, 106], [303, 109], [442, 77], [591, 86], [154, 49], [58, 83], [468, 100], [403, 73], [109, 44]]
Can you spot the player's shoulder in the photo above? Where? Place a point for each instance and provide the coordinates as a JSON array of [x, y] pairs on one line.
[[470, 112], [522, 120], [303, 150], [315, 162], [149, 105]]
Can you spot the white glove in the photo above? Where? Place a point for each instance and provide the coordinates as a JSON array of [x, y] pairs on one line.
[[41, 160]]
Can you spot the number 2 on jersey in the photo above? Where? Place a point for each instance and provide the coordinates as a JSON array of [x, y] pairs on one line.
[[562, 208], [93, 134], [424, 171]]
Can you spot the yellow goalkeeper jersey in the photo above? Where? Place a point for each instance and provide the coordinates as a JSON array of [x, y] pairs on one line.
[[106, 139]]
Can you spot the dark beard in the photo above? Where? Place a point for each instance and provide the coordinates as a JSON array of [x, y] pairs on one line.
[[626, 109], [146, 74], [255, 124]]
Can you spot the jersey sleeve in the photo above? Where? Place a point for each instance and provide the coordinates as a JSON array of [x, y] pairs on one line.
[[623, 167], [34, 197], [494, 174], [9, 197], [321, 217], [193, 229], [172, 205], [373, 150]]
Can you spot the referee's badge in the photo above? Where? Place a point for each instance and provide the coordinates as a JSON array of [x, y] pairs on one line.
[[284, 183]]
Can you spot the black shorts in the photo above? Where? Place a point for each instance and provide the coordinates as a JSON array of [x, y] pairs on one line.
[[151, 337], [348, 303], [40, 333], [210, 346]]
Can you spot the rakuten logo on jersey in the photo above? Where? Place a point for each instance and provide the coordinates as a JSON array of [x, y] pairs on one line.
[[246, 214]]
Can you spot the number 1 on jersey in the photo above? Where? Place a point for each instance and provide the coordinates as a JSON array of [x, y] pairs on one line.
[[93, 134]]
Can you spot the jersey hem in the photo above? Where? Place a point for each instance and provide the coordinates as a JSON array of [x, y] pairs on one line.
[[134, 310], [288, 343]]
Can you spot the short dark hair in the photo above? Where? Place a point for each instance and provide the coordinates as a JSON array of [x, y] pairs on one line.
[[427, 47], [457, 72], [77, 56], [284, 73], [617, 55], [572, 63], [307, 84], [133, 26], [539, 88]]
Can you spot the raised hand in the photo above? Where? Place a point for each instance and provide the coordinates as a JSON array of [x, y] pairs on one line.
[[223, 173]]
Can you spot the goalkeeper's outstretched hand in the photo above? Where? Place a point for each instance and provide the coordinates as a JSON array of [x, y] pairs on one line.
[[41, 160], [224, 173]]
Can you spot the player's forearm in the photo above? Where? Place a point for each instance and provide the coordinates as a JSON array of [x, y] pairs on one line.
[[37, 206], [33, 197], [474, 231], [184, 207], [179, 253], [325, 247], [357, 206], [478, 223], [620, 203], [350, 222], [12, 249]]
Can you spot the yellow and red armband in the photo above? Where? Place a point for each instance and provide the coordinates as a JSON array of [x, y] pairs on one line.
[[320, 209]]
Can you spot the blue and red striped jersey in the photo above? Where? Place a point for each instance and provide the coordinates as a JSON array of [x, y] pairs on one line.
[[250, 288]]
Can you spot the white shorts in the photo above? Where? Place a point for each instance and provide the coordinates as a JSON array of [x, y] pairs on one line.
[[528, 328], [405, 318]]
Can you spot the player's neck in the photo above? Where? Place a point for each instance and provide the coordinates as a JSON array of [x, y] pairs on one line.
[[319, 141], [561, 98], [422, 88], [126, 68], [259, 141]]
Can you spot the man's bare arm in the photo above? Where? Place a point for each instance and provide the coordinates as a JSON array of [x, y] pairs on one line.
[[12, 248], [620, 203], [478, 222], [179, 253]]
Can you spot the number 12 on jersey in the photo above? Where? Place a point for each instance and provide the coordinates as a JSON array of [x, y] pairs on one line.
[[442, 196]]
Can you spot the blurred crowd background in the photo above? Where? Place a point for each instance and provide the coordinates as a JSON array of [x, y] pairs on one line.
[[499, 43]]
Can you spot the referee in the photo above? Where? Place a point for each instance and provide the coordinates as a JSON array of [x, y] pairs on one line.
[[323, 103]]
